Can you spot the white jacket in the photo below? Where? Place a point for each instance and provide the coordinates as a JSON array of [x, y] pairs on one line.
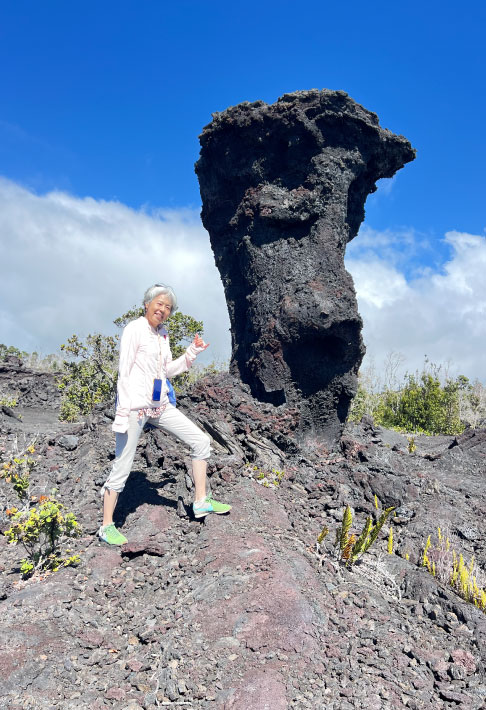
[[145, 355]]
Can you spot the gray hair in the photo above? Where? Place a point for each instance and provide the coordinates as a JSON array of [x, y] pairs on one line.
[[156, 290]]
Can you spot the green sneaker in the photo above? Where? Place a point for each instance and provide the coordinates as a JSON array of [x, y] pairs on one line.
[[110, 534], [209, 505]]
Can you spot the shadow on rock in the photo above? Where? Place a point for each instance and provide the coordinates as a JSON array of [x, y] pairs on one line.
[[138, 491]]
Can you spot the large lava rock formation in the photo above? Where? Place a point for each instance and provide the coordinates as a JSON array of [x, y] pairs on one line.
[[283, 188]]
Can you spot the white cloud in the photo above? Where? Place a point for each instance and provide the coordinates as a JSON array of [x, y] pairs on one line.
[[404, 248], [72, 265], [438, 314], [387, 285], [385, 186]]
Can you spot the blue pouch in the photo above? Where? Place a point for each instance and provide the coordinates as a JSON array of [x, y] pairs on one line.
[[171, 394]]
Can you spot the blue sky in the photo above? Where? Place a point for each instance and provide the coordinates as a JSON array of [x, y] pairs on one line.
[[101, 104]]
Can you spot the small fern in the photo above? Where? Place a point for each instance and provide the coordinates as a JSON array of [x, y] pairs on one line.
[[376, 529], [352, 546], [345, 527]]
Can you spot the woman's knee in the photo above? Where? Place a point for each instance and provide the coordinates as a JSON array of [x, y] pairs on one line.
[[201, 448], [113, 488]]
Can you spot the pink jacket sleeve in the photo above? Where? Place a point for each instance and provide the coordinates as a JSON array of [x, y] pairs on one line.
[[182, 363], [128, 350]]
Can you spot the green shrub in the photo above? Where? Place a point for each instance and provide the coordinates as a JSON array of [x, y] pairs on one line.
[[89, 376], [43, 533], [182, 329], [16, 468], [196, 373], [424, 405], [359, 405], [7, 350], [424, 402]]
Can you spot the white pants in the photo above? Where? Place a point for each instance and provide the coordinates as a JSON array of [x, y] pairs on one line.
[[172, 421]]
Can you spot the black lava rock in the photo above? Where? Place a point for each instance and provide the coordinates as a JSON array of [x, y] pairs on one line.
[[283, 188]]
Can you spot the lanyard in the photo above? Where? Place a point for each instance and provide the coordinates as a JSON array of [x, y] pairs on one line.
[[159, 368], [159, 338]]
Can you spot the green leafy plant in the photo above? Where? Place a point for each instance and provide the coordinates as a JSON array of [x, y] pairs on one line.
[[412, 446], [266, 478], [424, 405], [182, 329], [428, 402], [351, 546], [8, 401], [43, 531], [365, 402], [89, 376], [322, 536], [15, 469], [442, 561], [133, 313]]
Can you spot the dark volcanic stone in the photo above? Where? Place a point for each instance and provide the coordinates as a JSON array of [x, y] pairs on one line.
[[473, 440], [32, 387], [9, 412], [68, 442], [283, 188]]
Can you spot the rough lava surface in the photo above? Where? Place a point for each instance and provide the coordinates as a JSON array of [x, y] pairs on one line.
[[240, 612], [283, 188]]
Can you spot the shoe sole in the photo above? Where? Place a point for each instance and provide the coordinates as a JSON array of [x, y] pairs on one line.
[[112, 544], [211, 512]]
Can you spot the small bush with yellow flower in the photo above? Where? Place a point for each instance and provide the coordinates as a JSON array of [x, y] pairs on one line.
[[43, 531], [16, 468], [42, 525]]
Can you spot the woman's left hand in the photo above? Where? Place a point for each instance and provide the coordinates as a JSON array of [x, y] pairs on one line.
[[199, 343]]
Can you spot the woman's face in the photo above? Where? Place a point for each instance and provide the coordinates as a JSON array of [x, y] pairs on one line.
[[158, 310]]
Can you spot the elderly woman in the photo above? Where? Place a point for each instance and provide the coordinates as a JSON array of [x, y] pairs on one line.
[[145, 364]]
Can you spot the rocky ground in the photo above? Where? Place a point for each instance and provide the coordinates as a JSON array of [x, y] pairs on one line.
[[241, 612]]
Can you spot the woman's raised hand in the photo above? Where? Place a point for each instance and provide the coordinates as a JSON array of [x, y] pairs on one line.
[[199, 343]]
